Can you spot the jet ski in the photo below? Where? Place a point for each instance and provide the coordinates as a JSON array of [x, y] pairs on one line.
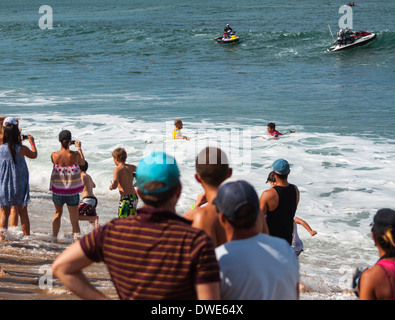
[[358, 39], [228, 38]]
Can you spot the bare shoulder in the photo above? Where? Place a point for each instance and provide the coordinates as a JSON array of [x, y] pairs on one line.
[[267, 194], [86, 178], [372, 275], [206, 214], [54, 155], [196, 214]]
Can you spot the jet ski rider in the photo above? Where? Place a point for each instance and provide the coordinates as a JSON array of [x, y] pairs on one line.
[[340, 37], [227, 31], [349, 36]]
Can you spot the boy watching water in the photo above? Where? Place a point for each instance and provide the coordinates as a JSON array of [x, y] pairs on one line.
[[123, 180]]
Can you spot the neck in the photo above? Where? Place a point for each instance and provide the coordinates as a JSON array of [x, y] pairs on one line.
[[240, 234], [167, 207], [210, 192], [281, 182]]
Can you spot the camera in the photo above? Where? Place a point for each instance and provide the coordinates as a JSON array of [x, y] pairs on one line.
[[72, 142], [24, 137]]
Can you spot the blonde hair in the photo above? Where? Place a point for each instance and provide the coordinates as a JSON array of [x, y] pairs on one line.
[[388, 237], [120, 154], [386, 241]]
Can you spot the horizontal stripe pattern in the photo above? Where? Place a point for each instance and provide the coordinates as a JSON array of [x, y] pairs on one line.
[[153, 255], [66, 180]]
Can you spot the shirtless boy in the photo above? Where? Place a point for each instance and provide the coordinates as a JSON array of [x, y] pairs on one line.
[[123, 180], [212, 169], [87, 206]]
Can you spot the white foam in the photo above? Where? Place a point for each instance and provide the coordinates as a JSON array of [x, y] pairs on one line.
[[343, 179]]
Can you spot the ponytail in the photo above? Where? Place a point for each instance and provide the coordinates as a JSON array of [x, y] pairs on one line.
[[386, 242], [388, 237]]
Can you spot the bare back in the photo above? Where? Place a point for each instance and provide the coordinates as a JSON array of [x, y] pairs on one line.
[[206, 219], [88, 185], [66, 158], [123, 174]]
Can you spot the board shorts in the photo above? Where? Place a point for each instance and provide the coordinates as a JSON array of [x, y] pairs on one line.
[[127, 205], [87, 206]]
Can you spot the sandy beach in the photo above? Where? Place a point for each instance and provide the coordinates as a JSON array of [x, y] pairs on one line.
[[27, 261], [27, 278]]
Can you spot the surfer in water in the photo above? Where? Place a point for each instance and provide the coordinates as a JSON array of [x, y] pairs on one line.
[[177, 130], [271, 130]]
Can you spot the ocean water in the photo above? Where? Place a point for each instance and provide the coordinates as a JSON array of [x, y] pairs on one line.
[[117, 74]]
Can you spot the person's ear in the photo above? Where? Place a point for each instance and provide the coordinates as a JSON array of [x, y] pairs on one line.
[[230, 172], [198, 178], [221, 218]]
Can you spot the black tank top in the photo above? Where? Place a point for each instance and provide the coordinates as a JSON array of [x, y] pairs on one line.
[[280, 221]]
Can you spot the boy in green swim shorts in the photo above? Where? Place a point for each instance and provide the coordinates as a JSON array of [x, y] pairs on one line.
[[123, 180]]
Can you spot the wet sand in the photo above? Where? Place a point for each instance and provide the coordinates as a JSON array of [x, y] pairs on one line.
[[29, 278]]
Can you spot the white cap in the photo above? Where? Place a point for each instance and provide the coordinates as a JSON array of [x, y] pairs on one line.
[[10, 120]]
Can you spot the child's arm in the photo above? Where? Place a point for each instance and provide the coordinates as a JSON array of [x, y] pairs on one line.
[[305, 225], [115, 179]]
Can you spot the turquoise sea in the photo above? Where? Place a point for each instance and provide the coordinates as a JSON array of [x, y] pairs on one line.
[[118, 73]]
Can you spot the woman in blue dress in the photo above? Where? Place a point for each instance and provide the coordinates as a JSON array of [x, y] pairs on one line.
[[14, 175]]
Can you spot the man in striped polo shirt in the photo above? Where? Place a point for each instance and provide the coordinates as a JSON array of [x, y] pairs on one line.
[[155, 254]]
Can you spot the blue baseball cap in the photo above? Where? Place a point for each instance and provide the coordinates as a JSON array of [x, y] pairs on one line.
[[158, 166], [281, 167], [232, 195]]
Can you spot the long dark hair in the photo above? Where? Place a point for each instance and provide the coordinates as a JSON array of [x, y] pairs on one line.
[[11, 136]]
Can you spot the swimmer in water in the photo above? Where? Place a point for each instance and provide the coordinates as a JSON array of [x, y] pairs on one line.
[[271, 130]]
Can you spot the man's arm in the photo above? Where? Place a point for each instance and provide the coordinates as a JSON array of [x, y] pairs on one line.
[[68, 268], [264, 206], [208, 291]]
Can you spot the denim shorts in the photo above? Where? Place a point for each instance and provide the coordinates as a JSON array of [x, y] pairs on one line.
[[60, 200]]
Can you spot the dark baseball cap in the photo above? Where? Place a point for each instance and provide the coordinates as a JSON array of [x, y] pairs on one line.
[[384, 219], [271, 177], [232, 195]]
